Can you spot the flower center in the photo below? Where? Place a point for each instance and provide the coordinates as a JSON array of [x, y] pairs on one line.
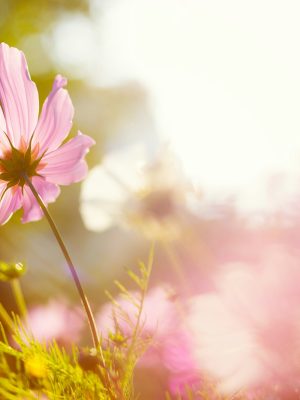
[[16, 165], [159, 204]]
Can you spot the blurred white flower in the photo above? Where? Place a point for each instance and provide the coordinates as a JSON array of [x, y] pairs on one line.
[[131, 189]]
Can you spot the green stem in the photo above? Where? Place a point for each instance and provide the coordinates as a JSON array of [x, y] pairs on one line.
[[16, 288], [70, 264], [6, 318]]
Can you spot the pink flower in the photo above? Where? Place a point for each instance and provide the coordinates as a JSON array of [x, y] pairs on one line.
[[55, 320], [178, 358], [30, 146], [247, 332]]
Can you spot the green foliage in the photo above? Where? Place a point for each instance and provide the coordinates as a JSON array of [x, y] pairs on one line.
[[128, 350], [19, 18], [30, 369], [33, 370]]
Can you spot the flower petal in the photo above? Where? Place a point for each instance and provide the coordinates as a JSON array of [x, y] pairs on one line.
[[10, 202], [66, 164], [48, 192], [4, 142], [18, 95], [56, 117], [2, 121]]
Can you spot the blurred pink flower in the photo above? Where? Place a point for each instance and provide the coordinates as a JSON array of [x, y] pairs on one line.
[[55, 320], [162, 321], [158, 314], [247, 332], [178, 358], [31, 146]]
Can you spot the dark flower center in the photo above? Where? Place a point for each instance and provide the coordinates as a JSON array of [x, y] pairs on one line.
[[159, 204], [16, 165]]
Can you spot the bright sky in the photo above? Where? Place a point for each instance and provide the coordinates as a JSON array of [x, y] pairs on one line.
[[223, 79]]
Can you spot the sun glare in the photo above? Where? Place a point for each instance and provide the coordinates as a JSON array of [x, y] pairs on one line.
[[225, 96]]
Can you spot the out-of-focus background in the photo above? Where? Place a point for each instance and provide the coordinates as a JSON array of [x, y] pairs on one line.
[[214, 85], [101, 112]]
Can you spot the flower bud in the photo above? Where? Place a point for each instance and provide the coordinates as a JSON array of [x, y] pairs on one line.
[[88, 360], [11, 271]]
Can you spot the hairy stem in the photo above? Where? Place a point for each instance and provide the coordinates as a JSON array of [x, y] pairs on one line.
[[70, 264]]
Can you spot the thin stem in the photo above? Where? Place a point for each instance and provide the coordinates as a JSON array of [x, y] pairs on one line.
[[71, 266], [142, 301], [6, 318], [18, 294], [177, 266]]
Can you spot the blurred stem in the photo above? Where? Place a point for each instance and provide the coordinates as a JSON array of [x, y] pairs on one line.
[[176, 265], [18, 294], [6, 318], [144, 290], [84, 300]]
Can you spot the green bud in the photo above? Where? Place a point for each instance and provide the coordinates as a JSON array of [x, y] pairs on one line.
[[117, 338], [11, 271]]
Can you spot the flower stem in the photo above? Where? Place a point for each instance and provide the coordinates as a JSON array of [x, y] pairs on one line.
[[6, 318], [176, 265], [71, 266], [17, 291]]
